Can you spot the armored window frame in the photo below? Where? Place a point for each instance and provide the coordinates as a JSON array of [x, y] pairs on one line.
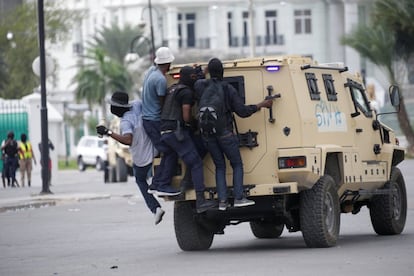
[[328, 81], [238, 83], [312, 83], [359, 98]]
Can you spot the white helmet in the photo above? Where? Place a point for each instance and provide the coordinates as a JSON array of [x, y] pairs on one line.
[[163, 55]]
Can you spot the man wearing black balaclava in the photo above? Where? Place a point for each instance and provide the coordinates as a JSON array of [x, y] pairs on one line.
[[175, 135]]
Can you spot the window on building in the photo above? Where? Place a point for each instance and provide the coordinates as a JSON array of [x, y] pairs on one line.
[[303, 21], [186, 30], [245, 28], [230, 30], [271, 27]]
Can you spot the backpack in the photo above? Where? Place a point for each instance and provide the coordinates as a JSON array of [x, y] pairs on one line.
[[212, 111]]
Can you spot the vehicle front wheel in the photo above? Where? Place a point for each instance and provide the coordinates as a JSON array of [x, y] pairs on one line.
[[266, 230], [320, 213], [190, 234], [388, 212], [81, 164]]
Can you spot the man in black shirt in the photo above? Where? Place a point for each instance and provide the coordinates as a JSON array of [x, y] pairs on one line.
[[10, 159]]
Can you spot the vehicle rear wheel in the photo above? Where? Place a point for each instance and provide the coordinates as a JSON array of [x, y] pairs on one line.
[[81, 164], [121, 170], [320, 213], [266, 230], [99, 164], [388, 212], [111, 174], [190, 234]]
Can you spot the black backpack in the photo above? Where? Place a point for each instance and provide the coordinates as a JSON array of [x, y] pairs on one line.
[[212, 111]]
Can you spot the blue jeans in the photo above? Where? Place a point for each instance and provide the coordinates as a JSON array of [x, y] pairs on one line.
[[187, 151], [141, 174], [227, 145], [10, 167], [166, 169]]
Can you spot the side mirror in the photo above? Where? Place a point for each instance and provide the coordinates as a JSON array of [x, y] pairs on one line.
[[394, 92]]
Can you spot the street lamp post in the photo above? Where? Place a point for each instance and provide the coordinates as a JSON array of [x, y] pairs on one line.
[[152, 30], [43, 109], [132, 55]]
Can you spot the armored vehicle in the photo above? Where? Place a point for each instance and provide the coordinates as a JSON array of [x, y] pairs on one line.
[[318, 152]]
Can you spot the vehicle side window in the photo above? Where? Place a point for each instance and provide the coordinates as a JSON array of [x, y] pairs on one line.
[[359, 98], [329, 87], [311, 81]]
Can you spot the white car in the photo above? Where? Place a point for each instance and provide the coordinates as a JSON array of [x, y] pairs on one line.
[[92, 151]]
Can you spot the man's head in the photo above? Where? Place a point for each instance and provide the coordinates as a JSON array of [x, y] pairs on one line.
[[119, 103], [10, 135], [163, 56], [23, 138], [188, 76], [215, 68]]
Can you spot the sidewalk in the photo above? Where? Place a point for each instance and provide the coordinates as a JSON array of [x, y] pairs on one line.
[[67, 186]]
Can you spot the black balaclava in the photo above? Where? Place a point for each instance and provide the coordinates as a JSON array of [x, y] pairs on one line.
[[215, 68], [23, 138], [119, 111], [188, 76], [10, 135]]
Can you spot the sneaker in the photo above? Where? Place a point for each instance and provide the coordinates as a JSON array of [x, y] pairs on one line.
[[223, 205], [159, 213], [152, 189], [167, 191], [243, 202]]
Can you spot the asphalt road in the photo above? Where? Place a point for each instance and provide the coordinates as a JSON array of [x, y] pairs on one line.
[[117, 236]]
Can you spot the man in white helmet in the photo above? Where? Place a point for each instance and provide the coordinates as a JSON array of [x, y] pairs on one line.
[[153, 92]]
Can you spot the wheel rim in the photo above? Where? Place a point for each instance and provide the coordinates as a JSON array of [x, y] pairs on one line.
[[396, 201], [329, 212]]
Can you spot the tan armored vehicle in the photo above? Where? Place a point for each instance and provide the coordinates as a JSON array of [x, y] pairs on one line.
[[119, 164], [319, 152]]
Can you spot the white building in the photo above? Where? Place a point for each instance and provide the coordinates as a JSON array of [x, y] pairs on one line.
[[197, 30], [202, 29]]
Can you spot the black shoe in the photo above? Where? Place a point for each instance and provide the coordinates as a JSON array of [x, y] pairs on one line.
[[152, 189], [203, 204], [167, 191]]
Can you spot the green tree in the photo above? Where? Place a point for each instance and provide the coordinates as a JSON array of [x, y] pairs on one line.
[[116, 42], [98, 76], [17, 54], [389, 42]]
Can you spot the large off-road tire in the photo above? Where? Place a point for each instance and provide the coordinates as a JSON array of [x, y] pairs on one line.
[[388, 212], [320, 213], [190, 234], [121, 170], [266, 230], [81, 164]]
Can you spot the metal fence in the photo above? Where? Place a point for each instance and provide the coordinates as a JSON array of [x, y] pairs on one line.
[[13, 117]]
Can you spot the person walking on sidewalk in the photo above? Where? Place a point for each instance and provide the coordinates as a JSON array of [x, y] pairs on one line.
[[26, 156], [10, 159], [133, 134]]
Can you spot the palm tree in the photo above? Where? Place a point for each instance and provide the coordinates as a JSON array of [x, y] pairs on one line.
[[102, 75], [116, 41], [385, 44]]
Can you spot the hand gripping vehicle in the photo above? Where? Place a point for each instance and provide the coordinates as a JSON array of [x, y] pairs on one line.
[[318, 152]]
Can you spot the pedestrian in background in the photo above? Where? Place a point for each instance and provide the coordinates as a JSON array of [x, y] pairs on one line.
[[132, 133], [26, 156], [10, 148], [50, 147]]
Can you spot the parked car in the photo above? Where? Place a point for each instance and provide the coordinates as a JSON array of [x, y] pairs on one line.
[[92, 151]]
